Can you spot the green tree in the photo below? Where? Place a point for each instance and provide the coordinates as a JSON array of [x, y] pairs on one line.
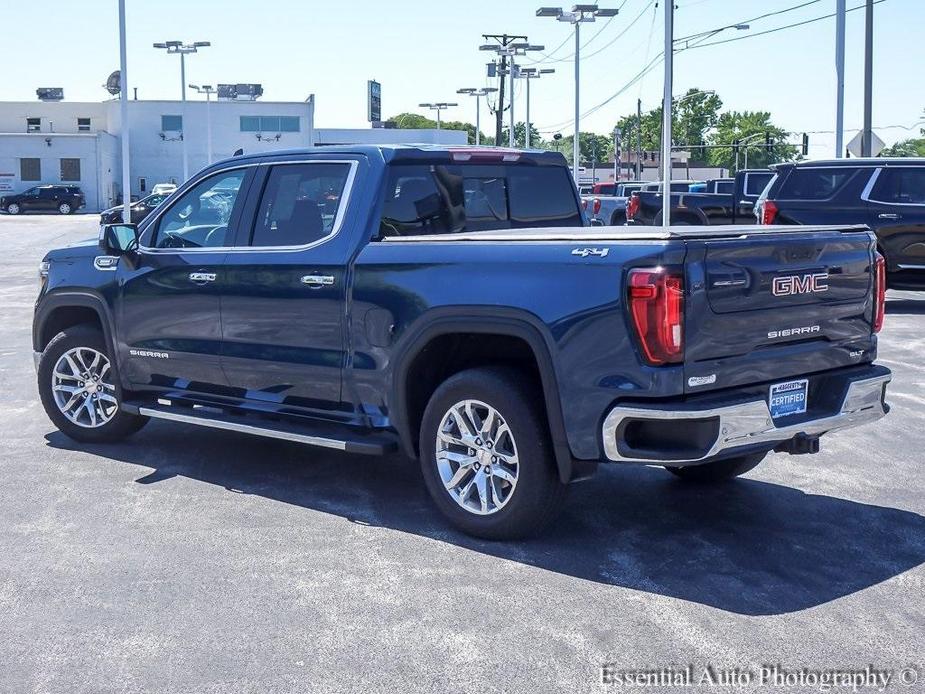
[[415, 121], [914, 147], [693, 115], [750, 125], [591, 147], [520, 129]]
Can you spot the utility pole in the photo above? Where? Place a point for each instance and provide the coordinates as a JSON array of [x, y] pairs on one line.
[[666, 114], [502, 41], [616, 154], [839, 77], [868, 79]]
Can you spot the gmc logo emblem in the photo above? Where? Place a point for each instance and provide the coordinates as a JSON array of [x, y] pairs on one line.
[[800, 284]]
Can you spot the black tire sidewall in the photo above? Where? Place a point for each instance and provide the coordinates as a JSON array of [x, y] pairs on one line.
[[538, 490], [122, 424]]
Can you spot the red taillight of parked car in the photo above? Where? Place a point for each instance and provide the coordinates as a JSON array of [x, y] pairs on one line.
[[879, 291], [596, 206], [632, 206], [656, 303], [768, 212]]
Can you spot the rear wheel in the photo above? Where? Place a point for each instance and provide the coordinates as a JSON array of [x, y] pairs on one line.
[[486, 456], [64, 208], [13, 208], [718, 470], [79, 390]]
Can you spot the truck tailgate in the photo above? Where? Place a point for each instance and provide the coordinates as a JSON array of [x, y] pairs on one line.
[[766, 307]]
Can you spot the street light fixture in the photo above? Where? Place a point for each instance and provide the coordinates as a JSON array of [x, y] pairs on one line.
[[478, 94], [181, 49], [527, 74], [510, 51], [438, 107], [578, 15], [208, 90]]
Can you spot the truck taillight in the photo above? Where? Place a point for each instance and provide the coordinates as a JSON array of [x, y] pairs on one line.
[[879, 291], [656, 303], [632, 206], [596, 206], [768, 212]]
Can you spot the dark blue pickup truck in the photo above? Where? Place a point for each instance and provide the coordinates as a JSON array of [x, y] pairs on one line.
[[449, 303]]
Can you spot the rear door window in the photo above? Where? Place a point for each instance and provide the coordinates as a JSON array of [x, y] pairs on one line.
[[300, 203], [814, 184], [900, 186], [434, 199]]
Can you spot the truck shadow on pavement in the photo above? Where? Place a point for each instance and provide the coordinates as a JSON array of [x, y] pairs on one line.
[[749, 547], [908, 307]]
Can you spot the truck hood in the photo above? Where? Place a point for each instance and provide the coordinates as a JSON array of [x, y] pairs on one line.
[[88, 248]]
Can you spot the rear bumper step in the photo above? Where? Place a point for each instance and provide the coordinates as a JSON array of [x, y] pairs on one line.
[[337, 437], [695, 435]]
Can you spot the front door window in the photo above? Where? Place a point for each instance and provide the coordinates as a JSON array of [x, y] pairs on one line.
[[202, 217]]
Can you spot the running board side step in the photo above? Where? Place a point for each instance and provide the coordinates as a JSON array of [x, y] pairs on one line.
[[336, 437]]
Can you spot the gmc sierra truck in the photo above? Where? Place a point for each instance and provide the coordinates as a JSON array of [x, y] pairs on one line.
[[449, 303], [737, 207]]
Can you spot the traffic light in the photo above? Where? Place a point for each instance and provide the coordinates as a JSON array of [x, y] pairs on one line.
[[767, 140], [805, 144]]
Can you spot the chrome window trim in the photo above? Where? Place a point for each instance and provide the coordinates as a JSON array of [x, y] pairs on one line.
[[335, 227], [868, 189]]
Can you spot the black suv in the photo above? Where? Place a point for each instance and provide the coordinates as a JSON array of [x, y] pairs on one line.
[[64, 199], [140, 209], [888, 195]]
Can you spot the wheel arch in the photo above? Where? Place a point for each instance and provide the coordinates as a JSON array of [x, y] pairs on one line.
[[60, 310], [506, 324]]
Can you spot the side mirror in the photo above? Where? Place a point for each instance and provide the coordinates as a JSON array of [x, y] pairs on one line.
[[118, 239]]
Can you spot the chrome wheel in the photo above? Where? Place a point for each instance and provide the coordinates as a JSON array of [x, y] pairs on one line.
[[64, 208], [477, 457], [13, 208], [83, 389]]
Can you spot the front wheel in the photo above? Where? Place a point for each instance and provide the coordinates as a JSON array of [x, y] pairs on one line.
[[486, 456], [64, 208], [718, 470], [79, 390], [13, 208]]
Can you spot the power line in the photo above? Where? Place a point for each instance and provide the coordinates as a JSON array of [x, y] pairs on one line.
[[776, 29], [547, 57]]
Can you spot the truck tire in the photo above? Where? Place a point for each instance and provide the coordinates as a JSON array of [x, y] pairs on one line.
[[486, 456], [79, 390], [718, 470], [617, 219]]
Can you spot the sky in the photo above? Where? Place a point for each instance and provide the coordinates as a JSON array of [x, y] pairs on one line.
[[424, 50]]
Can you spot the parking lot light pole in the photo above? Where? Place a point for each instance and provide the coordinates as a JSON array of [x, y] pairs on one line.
[[181, 49], [478, 94], [123, 116], [666, 114], [527, 74], [579, 14], [208, 91], [438, 107]]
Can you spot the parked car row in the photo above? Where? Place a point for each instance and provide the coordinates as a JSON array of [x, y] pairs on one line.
[[66, 199]]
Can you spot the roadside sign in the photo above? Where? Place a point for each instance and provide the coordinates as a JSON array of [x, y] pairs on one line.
[[876, 144], [373, 101]]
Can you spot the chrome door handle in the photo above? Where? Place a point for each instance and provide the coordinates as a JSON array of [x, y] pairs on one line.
[[202, 277], [318, 280], [888, 215]]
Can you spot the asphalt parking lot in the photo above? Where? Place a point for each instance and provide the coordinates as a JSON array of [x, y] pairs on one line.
[[187, 559]]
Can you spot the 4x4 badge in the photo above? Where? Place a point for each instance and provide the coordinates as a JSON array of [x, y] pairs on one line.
[[585, 252]]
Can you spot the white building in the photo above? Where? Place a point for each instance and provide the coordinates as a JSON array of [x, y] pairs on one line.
[[79, 142]]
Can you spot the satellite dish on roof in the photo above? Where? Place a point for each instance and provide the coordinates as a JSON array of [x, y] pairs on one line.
[[114, 83]]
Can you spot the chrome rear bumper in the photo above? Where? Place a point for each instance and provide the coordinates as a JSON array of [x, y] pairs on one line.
[[750, 423]]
